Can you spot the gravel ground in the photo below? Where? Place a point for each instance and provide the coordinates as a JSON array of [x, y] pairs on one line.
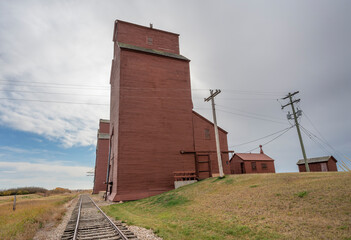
[[51, 232], [143, 233]]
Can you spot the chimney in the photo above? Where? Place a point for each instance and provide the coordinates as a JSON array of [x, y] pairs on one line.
[[151, 25], [261, 151]]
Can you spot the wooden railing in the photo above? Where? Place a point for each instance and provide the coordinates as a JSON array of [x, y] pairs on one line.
[[184, 175]]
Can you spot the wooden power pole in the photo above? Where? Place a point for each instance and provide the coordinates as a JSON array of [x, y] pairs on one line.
[[297, 125], [219, 157]]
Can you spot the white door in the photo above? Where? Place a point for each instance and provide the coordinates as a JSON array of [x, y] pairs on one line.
[[324, 167]]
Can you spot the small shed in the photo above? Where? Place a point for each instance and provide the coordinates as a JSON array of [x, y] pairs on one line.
[[242, 163], [318, 164]]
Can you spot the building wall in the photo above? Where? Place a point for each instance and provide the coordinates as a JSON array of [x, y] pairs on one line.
[[102, 149], [332, 165], [150, 122], [235, 166], [146, 37], [207, 143], [316, 167], [259, 169], [153, 130]]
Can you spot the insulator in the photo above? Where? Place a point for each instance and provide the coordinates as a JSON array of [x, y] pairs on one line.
[[299, 113]]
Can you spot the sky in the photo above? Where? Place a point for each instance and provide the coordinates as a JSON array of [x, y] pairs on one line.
[[55, 60]]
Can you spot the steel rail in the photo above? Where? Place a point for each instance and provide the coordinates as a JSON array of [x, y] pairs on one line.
[[110, 221], [78, 218]]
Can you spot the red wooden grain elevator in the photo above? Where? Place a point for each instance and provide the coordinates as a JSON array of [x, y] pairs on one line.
[[153, 130], [102, 148]]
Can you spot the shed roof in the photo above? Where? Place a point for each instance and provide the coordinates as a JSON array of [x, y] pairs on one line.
[[316, 160], [253, 156], [202, 117], [152, 51], [103, 136], [104, 121]]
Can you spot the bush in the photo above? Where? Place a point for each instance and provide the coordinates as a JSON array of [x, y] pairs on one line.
[[22, 190]]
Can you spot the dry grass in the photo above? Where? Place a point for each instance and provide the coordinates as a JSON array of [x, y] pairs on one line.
[[260, 206], [32, 212]]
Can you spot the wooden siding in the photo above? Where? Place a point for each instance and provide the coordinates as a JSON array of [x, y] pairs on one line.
[[102, 148], [316, 167], [236, 166], [151, 116]]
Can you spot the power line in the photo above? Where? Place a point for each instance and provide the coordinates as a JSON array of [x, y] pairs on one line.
[[44, 84], [272, 134], [58, 93], [320, 143], [37, 100], [253, 92], [247, 99], [63, 87], [51, 83], [343, 165], [259, 115], [308, 134], [272, 139], [248, 116], [327, 144]]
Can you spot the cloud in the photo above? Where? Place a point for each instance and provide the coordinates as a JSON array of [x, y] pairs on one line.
[[242, 47], [17, 151], [45, 174], [60, 54]]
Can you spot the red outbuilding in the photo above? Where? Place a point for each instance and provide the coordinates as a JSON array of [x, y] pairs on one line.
[[102, 148], [154, 132], [242, 163], [319, 164]]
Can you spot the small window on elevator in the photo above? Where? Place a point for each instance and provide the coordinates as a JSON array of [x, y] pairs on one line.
[[149, 40], [207, 133]]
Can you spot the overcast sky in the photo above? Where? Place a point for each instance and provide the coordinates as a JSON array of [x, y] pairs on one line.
[[55, 60]]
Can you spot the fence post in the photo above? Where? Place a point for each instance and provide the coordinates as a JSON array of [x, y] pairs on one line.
[[14, 203]]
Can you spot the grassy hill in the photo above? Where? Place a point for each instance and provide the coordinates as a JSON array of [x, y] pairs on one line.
[[255, 206]]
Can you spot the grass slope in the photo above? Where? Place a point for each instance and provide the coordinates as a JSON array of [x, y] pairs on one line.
[[255, 206]]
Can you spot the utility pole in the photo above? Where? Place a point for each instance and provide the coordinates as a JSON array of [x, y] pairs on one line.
[[219, 158], [297, 125]]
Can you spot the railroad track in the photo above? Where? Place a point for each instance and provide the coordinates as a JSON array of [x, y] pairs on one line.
[[88, 222]]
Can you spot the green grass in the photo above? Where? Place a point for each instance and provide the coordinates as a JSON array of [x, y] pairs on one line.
[[256, 206], [302, 194]]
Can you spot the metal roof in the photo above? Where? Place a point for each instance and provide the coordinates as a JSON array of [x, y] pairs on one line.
[[253, 156], [151, 51], [104, 136], [315, 160], [104, 120]]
